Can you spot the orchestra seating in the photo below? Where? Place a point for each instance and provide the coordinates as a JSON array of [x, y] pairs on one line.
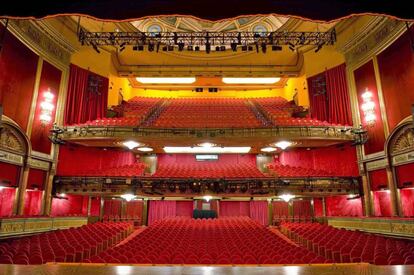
[[69, 245], [344, 246], [287, 171], [233, 240], [208, 170], [207, 113]]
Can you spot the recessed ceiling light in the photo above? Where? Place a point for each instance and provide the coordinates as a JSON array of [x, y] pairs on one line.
[[145, 149], [251, 80], [207, 144], [283, 144], [130, 144], [166, 80], [214, 150], [128, 197], [268, 149]]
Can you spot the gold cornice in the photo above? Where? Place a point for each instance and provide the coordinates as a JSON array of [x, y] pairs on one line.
[[34, 97], [55, 35]]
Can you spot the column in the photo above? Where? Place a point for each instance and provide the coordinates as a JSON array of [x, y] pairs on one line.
[[47, 194], [145, 212], [323, 207], [368, 205], [21, 191], [270, 211], [394, 193], [89, 205], [290, 210]]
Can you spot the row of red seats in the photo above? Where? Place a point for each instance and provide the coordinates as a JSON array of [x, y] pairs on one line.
[[69, 245], [208, 170], [294, 171], [233, 240], [344, 246], [132, 170]]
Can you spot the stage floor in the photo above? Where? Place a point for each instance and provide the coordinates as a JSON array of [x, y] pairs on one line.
[[86, 269]]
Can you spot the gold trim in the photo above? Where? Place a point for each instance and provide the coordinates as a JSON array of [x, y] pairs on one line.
[[34, 97], [381, 101]]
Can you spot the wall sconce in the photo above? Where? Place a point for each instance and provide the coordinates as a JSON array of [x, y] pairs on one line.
[[368, 107], [47, 107]]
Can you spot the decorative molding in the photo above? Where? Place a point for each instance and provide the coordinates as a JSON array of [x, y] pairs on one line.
[[11, 158], [10, 140], [377, 164], [402, 141], [37, 39], [403, 158], [38, 164]]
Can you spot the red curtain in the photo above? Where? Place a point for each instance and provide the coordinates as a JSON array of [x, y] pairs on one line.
[[341, 206], [134, 209], [184, 208], [10, 174], [95, 206], [382, 204], [18, 66], [6, 201], [83, 104], [324, 159], [339, 107], [259, 212], [72, 205], [318, 97], [396, 66], [405, 174], [302, 208], [407, 202], [49, 79], [377, 179], [76, 160], [318, 207], [280, 209], [158, 210], [32, 202], [365, 79], [112, 207], [234, 208]]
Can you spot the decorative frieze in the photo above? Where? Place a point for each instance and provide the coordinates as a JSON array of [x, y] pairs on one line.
[[403, 158], [38, 164], [11, 158], [377, 164]]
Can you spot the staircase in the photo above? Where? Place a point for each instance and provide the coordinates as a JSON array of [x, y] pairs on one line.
[[154, 113], [260, 114]]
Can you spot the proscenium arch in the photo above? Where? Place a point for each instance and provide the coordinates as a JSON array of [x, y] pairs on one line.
[[7, 123], [404, 125]]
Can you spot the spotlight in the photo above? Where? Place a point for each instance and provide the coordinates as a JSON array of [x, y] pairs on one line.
[[180, 46], [218, 48], [208, 47], [96, 48], [319, 47], [170, 48], [164, 48], [190, 48], [223, 48], [233, 47], [264, 47], [291, 46], [276, 48], [250, 48], [197, 48], [122, 46], [244, 48]]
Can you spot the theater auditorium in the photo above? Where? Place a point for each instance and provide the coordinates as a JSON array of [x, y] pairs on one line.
[[170, 137]]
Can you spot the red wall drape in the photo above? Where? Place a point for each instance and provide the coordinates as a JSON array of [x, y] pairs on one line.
[[95, 206], [134, 209], [184, 208], [73, 205], [158, 210], [75, 160], [234, 208], [280, 209], [378, 178], [49, 79], [82, 104], [365, 79], [382, 204], [302, 208], [341, 206], [407, 202], [318, 97], [9, 173], [318, 207], [32, 202], [339, 106], [405, 173], [259, 211], [112, 207], [7, 196], [340, 161], [18, 65], [396, 66]]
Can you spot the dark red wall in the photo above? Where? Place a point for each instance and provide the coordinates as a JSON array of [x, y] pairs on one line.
[[396, 66], [73, 205], [378, 178], [318, 207], [407, 202], [341, 206], [365, 78], [49, 79], [18, 65], [405, 173]]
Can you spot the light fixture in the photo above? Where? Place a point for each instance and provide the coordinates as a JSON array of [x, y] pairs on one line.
[[130, 144], [268, 149], [145, 149], [286, 197], [207, 144], [47, 107], [251, 80], [283, 144], [128, 197], [368, 107], [166, 80], [199, 149], [207, 198]]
